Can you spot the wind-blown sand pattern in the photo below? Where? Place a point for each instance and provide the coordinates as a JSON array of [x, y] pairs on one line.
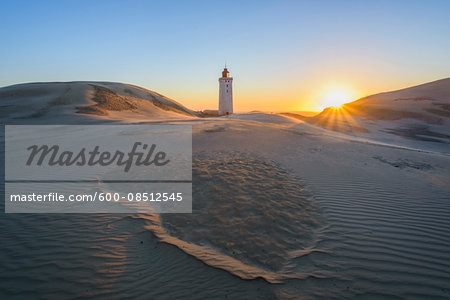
[[254, 214], [361, 215]]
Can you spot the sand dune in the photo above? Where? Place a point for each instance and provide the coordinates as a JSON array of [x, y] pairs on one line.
[[417, 113], [429, 102], [74, 102]]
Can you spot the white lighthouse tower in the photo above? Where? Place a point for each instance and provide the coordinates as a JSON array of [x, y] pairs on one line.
[[225, 93]]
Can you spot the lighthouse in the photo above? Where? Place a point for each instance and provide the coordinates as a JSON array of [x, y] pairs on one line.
[[225, 93]]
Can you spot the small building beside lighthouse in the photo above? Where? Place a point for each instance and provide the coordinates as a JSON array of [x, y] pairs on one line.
[[225, 93]]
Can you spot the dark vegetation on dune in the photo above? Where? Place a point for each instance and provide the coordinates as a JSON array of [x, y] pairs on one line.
[[155, 98], [109, 100], [106, 100]]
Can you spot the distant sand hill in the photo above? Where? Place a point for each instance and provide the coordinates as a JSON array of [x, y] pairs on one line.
[[69, 102], [421, 112]]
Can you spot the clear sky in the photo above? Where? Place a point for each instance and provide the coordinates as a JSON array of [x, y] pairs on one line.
[[283, 55]]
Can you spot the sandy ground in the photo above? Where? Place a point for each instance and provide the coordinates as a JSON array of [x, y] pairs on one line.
[[282, 209]]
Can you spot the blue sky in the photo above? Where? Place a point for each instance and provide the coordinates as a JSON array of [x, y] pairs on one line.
[[282, 54]]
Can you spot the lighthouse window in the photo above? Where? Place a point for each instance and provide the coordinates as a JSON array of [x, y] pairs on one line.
[[227, 85]]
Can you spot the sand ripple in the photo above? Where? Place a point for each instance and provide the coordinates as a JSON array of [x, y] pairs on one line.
[[383, 239]]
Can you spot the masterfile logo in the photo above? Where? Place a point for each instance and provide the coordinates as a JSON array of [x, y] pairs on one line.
[[52, 156]]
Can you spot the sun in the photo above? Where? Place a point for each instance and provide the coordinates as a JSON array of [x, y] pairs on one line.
[[335, 98]]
